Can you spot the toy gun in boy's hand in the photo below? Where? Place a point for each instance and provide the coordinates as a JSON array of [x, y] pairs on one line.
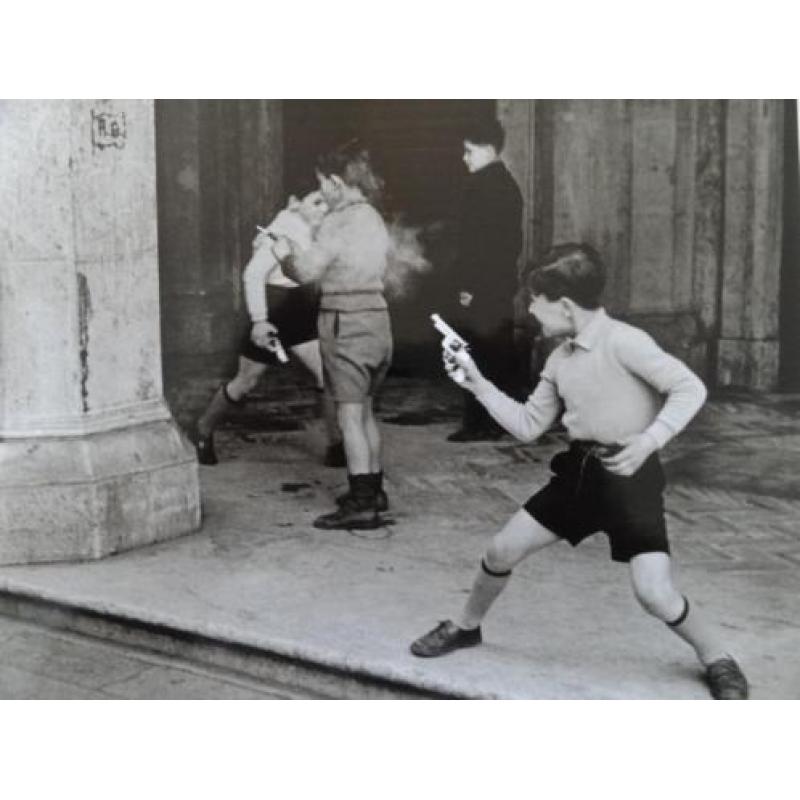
[[452, 343], [274, 345], [265, 335]]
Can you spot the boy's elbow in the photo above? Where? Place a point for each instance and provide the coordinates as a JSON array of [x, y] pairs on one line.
[[701, 390]]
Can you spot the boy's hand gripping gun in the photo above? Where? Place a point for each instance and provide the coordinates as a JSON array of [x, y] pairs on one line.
[[452, 344], [274, 345]]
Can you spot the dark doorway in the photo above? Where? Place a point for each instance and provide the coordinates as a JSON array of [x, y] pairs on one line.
[[416, 146], [790, 266]]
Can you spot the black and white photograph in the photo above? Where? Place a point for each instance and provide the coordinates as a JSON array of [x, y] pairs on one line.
[[296, 390], [399, 395]]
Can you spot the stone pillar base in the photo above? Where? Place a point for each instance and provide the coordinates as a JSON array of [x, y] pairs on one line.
[[86, 497]]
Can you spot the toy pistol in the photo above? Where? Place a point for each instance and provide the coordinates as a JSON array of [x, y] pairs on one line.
[[452, 343], [274, 346]]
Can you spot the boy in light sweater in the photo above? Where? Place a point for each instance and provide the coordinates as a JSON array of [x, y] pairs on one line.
[[348, 259], [607, 383], [278, 307]]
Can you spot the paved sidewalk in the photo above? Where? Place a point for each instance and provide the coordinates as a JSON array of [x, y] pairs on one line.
[[568, 627]]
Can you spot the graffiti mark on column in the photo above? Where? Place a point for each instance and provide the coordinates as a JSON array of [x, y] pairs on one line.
[[84, 312], [108, 130]]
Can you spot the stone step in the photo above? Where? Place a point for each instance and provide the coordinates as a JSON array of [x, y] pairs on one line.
[[312, 677]]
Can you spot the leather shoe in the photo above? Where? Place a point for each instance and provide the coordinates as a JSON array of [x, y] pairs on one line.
[[726, 681], [445, 638]]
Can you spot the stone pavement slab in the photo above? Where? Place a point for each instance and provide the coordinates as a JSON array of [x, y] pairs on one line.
[[568, 627]]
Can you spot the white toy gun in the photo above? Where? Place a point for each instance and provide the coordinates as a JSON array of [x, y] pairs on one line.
[[274, 346], [452, 343], [272, 343]]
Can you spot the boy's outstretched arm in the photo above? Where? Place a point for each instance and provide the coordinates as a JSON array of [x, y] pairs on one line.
[[525, 421]]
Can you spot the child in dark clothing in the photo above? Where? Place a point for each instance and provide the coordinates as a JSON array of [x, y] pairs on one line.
[[607, 383], [485, 270]]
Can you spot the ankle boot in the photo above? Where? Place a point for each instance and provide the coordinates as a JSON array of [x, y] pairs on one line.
[[358, 512], [220, 406], [381, 498]]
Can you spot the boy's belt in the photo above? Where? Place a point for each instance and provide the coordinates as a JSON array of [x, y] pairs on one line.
[[587, 447]]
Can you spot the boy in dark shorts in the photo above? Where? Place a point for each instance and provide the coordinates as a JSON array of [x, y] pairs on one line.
[[278, 307], [607, 382], [349, 259]]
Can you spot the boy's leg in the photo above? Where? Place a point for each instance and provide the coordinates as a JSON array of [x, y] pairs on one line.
[[245, 379], [373, 435], [352, 347], [520, 537], [651, 576], [309, 356], [356, 443], [222, 403], [375, 472], [358, 509]]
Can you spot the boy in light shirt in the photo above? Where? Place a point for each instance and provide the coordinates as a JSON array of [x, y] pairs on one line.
[[280, 310], [607, 383]]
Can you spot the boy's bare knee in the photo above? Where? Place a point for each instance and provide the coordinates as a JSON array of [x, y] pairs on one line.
[[499, 557], [660, 599], [248, 383]]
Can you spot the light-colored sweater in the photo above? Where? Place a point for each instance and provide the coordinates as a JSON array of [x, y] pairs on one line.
[[610, 382], [348, 257]]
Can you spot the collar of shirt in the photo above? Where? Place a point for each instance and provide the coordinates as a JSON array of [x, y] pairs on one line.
[[348, 204], [588, 337]]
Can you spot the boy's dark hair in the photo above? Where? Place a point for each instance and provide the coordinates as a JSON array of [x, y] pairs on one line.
[[351, 162], [569, 270], [485, 131]]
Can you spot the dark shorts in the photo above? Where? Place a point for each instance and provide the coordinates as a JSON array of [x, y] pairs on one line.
[[583, 498], [293, 311], [356, 348]]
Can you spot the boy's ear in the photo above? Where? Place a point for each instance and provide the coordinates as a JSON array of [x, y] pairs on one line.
[[293, 201], [568, 307]]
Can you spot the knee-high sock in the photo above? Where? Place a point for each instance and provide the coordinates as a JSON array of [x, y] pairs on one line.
[[695, 631], [220, 406], [486, 588]]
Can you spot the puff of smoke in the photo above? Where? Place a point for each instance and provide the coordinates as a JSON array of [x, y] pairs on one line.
[[406, 259]]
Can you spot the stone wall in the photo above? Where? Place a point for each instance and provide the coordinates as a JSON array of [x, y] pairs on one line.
[[684, 199]]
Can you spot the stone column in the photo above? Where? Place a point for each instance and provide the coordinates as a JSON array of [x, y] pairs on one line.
[[749, 336], [91, 462]]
